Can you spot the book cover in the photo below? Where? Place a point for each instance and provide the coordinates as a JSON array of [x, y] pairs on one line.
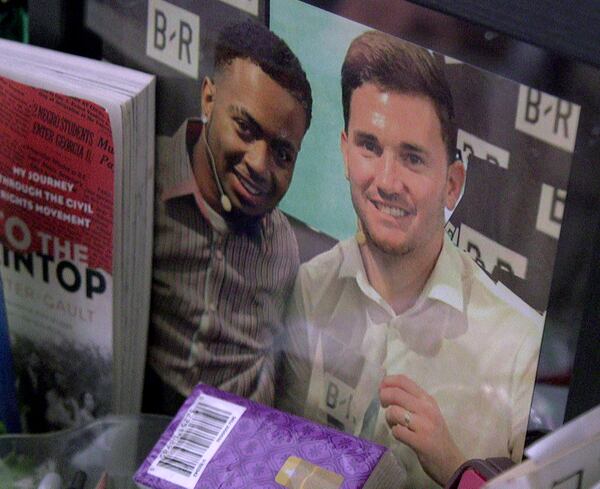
[[566, 458], [218, 439], [56, 203], [75, 185]]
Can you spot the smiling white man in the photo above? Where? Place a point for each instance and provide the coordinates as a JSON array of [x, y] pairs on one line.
[[446, 363], [225, 257]]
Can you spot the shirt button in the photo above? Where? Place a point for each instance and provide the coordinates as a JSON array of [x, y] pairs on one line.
[[219, 255]]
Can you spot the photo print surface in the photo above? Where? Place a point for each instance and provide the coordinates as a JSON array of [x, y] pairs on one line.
[[516, 145]]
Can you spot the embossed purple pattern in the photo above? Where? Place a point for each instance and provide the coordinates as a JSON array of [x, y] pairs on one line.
[[262, 441]]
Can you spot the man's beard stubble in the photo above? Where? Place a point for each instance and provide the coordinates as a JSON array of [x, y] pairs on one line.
[[392, 251], [403, 249], [380, 245]]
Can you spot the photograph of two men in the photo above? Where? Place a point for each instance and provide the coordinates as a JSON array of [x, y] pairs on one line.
[[349, 227]]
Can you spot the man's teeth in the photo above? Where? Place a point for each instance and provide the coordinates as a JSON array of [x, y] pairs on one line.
[[250, 187], [392, 211]]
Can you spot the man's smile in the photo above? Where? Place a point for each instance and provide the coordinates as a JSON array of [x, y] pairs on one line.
[[251, 186], [392, 209]]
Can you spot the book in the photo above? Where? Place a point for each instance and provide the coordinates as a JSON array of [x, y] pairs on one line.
[[566, 458], [76, 195], [218, 439]]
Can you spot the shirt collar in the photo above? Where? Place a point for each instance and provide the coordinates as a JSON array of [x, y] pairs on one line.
[[444, 287], [184, 183], [352, 264], [352, 267], [438, 312], [444, 284]]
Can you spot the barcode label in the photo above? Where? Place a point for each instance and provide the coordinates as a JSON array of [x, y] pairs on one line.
[[200, 434]]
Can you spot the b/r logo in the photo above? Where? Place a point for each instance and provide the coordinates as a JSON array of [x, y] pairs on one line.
[[173, 37], [547, 118]]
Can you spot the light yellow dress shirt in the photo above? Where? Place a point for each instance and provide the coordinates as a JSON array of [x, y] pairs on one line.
[[469, 343]]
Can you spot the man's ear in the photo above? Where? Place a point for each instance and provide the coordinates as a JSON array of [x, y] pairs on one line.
[[344, 149], [208, 92], [454, 183]]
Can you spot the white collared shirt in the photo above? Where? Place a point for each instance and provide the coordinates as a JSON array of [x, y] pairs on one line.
[[462, 341]]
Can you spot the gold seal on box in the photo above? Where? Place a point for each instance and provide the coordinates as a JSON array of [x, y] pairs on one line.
[[297, 473]]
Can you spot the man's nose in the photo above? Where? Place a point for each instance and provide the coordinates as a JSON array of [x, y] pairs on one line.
[[257, 159], [390, 177]]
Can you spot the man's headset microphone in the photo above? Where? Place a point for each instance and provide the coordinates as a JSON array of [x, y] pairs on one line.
[[225, 201]]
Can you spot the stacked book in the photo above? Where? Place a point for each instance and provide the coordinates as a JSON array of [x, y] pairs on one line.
[[76, 200]]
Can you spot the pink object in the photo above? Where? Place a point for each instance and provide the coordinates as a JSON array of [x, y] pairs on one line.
[[471, 480]]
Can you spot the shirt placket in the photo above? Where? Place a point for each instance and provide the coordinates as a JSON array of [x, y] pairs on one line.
[[374, 348], [213, 280]]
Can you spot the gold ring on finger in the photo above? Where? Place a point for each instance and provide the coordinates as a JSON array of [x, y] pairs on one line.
[[406, 419]]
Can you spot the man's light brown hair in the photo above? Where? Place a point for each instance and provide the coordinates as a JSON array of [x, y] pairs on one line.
[[393, 64]]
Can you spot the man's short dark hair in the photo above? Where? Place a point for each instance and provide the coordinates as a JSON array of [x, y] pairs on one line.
[[393, 64], [256, 43]]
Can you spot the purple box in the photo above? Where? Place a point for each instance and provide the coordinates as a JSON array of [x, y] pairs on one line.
[[259, 448]]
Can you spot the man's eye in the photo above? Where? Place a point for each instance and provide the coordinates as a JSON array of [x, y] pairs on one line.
[[413, 159], [244, 129], [284, 156], [370, 146]]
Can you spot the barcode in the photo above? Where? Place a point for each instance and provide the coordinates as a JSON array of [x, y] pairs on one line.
[[205, 425], [195, 441]]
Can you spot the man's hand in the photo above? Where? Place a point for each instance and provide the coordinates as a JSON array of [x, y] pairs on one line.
[[415, 419]]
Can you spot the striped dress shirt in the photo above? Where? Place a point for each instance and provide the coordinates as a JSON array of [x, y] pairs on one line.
[[218, 294]]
